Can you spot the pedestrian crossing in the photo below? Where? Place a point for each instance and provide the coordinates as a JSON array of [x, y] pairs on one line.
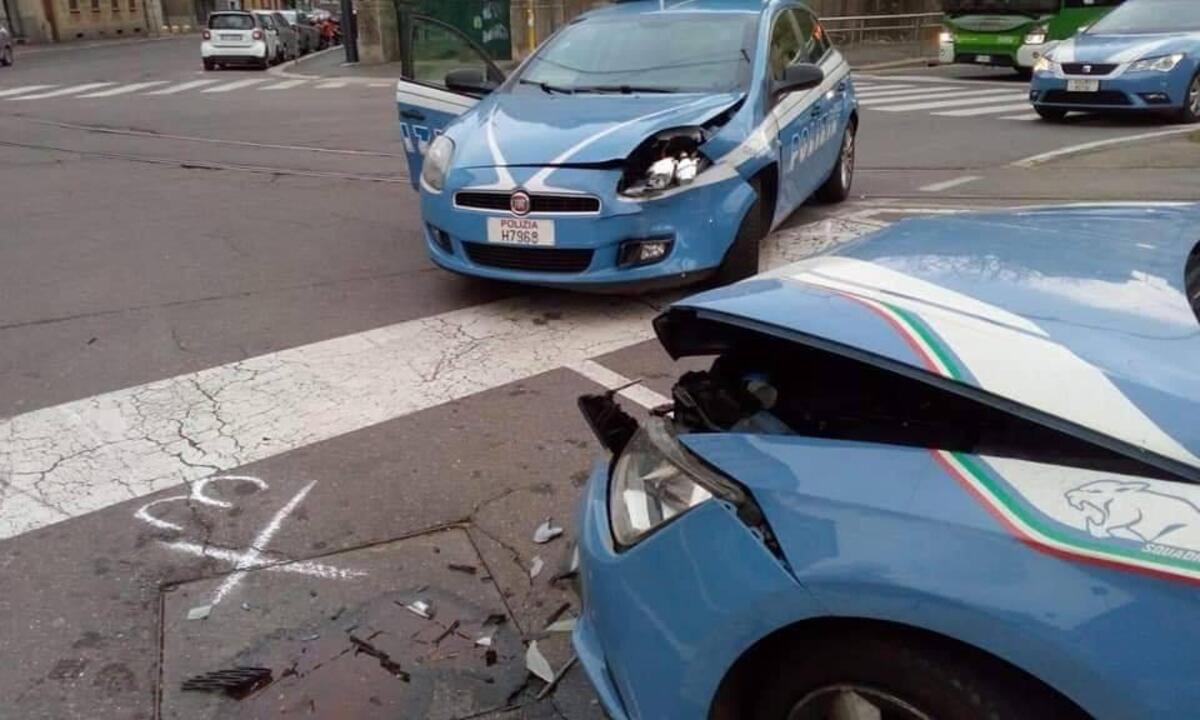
[[999, 100], [101, 90]]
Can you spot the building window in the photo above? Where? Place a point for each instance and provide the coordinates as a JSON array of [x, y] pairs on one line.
[[73, 5], [95, 5], [132, 6], [116, 6]]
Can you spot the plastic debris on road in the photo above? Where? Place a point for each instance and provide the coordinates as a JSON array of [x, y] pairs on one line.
[[565, 625], [537, 663], [546, 532], [236, 682], [420, 608], [199, 612], [535, 568]]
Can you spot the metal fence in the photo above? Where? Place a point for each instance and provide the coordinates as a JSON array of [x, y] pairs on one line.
[[905, 27]]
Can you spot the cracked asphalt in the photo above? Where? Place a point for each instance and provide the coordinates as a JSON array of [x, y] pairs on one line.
[[233, 388]]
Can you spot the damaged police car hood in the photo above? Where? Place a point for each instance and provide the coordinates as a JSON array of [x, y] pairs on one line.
[[533, 128], [1077, 317]]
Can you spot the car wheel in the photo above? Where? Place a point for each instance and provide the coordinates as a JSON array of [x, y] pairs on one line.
[[1190, 112], [874, 673], [210, 64], [741, 259], [1050, 114], [837, 187], [6, 56]]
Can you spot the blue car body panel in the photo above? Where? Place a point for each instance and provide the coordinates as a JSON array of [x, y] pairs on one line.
[[558, 144], [1086, 579], [1108, 59]]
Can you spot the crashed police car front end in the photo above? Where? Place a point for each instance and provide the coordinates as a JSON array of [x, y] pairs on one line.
[[916, 481]]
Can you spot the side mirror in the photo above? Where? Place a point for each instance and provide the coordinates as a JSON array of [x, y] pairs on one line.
[[798, 77], [471, 81]]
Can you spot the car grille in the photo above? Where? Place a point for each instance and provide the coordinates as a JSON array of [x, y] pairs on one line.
[[538, 202], [1093, 68], [1113, 98], [549, 260], [969, 58]]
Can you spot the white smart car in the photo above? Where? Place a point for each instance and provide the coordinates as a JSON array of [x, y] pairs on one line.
[[237, 38]]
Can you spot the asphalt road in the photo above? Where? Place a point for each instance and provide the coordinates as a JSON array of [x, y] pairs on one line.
[[220, 275]]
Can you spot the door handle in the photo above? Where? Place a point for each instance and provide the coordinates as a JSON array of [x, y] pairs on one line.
[[412, 115]]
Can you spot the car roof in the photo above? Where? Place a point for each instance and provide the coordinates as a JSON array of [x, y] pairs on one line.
[[641, 7], [1077, 314]]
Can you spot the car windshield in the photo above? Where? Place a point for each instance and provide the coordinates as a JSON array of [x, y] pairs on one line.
[[1000, 7], [289, 15], [231, 22], [702, 52], [1150, 16]]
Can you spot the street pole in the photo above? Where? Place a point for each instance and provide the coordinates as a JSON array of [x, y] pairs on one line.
[[349, 31]]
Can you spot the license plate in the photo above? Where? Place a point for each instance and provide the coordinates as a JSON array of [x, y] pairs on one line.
[[520, 231], [230, 37], [984, 59], [1083, 86]]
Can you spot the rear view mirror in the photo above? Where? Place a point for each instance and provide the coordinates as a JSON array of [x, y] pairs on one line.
[[471, 81], [798, 77]]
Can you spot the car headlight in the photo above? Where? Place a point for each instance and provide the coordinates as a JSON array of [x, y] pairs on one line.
[[655, 479], [669, 159], [437, 162], [1163, 63], [1045, 64], [1036, 36], [945, 37]]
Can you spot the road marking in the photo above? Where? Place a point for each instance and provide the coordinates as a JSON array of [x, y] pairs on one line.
[[332, 84], [23, 89], [285, 85], [947, 184], [932, 80], [1085, 147], [190, 85], [880, 90], [236, 85], [632, 390], [63, 91], [991, 110], [381, 84], [124, 89], [1026, 116], [958, 101], [910, 96]]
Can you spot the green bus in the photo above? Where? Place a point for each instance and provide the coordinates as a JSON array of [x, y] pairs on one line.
[[1012, 33]]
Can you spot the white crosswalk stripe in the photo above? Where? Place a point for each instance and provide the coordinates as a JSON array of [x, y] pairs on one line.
[[125, 89], [183, 87], [332, 84], [285, 85], [951, 99], [72, 90], [21, 90], [237, 85]]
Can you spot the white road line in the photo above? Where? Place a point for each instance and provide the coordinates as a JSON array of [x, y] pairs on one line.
[[992, 110], [1026, 116], [332, 84], [1085, 147], [181, 87], [23, 89], [63, 91], [947, 184], [285, 85], [124, 89], [381, 84], [912, 95], [958, 101], [237, 85], [632, 389], [877, 90], [934, 80]]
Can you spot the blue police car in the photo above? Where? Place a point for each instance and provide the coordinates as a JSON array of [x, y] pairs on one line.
[[922, 478], [1143, 56], [645, 143]]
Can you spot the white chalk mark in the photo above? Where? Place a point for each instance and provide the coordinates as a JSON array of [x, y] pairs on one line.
[[199, 485], [301, 567], [146, 516], [253, 556]]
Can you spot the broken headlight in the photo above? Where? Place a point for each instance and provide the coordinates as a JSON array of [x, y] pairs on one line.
[[667, 160], [655, 479]]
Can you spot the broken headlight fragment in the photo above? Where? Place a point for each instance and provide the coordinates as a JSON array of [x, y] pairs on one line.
[[668, 159]]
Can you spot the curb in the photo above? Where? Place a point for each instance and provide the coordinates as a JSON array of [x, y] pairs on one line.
[[1043, 158], [281, 70]]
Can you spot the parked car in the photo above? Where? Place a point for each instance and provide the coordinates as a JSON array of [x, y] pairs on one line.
[[949, 471], [1144, 56], [287, 42], [308, 37], [643, 144], [237, 38], [6, 47]]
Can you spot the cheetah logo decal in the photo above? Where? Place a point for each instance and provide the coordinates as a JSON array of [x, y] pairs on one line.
[[1131, 510]]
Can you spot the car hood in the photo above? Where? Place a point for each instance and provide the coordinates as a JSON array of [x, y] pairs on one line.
[[1078, 316], [1087, 48], [538, 129]]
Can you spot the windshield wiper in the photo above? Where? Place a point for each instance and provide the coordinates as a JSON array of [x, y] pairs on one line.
[[548, 88], [623, 89]]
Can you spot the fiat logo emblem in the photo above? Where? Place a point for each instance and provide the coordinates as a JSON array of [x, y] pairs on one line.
[[519, 203]]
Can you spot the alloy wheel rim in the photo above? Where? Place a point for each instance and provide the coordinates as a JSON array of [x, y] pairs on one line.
[[848, 159], [853, 702], [1194, 96]]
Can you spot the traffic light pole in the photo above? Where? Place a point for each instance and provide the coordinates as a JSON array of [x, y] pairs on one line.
[[349, 31]]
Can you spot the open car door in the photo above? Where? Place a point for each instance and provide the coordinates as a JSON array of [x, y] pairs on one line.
[[444, 75]]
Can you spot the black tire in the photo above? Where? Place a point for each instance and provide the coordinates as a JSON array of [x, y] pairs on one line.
[[210, 64], [837, 187], [6, 56], [900, 673], [1190, 112], [741, 259], [1050, 114]]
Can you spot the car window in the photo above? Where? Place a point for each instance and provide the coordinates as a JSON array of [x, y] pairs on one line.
[[281, 20], [437, 50], [701, 52], [813, 35], [230, 22], [788, 45]]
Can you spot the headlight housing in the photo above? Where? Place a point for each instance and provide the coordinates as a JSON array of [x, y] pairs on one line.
[[945, 37], [668, 159], [1162, 63], [1045, 64], [437, 162], [1036, 36], [655, 480]]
